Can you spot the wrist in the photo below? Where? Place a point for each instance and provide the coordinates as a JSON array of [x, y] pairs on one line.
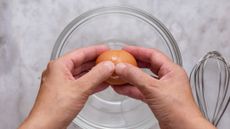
[[42, 122], [186, 121]]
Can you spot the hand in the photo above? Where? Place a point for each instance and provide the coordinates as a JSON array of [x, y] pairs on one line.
[[64, 91], [169, 96]]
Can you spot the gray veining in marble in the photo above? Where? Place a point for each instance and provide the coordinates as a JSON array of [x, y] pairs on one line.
[[29, 28]]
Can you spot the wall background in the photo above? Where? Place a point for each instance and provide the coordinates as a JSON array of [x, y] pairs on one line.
[[28, 30]]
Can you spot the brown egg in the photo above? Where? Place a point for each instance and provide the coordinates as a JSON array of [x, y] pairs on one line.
[[116, 56]]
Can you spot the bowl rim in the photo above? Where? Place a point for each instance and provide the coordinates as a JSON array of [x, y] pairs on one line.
[[154, 22]]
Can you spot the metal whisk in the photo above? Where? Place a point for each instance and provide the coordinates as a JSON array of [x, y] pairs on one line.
[[212, 68]]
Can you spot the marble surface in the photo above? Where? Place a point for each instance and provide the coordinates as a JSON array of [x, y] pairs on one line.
[[29, 28]]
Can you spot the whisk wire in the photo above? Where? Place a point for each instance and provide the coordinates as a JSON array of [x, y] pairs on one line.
[[197, 79]]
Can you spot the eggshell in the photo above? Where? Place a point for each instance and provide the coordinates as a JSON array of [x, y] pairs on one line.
[[116, 56]]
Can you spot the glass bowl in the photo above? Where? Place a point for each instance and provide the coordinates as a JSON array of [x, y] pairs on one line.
[[116, 27]]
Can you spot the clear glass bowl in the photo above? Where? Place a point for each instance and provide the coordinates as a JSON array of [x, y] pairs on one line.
[[116, 27]]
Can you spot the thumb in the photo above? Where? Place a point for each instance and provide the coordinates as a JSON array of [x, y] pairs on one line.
[[96, 75], [134, 76]]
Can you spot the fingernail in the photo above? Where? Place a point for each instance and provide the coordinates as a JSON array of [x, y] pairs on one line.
[[109, 65], [120, 67]]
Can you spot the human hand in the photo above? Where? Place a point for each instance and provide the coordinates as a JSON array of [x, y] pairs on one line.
[[64, 89], [169, 96]]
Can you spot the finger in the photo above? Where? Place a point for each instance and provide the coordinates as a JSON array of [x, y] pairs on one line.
[[147, 66], [130, 91], [156, 58], [80, 56], [84, 68], [80, 74], [134, 75], [142, 64], [96, 76], [101, 87]]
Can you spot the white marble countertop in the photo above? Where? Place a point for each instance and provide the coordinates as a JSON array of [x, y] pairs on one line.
[[29, 28]]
